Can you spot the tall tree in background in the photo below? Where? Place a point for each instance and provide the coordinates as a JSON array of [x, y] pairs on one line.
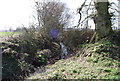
[[102, 19], [52, 14]]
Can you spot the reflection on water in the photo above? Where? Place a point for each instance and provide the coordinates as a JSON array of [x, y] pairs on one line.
[[64, 51]]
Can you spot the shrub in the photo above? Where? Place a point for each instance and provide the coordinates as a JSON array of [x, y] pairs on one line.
[[13, 63], [73, 38], [43, 56], [11, 68], [31, 40]]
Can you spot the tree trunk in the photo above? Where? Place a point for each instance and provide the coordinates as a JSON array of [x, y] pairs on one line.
[[102, 20]]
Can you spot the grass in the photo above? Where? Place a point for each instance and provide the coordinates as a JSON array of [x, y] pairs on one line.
[[3, 34], [99, 65], [79, 70], [6, 35]]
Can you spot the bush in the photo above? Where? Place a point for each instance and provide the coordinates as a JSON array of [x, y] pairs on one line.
[[13, 62], [11, 65], [11, 68], [73, 38], [31, 40]]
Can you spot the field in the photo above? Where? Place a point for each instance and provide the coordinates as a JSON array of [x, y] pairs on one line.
[[2, 34], [6, 35]]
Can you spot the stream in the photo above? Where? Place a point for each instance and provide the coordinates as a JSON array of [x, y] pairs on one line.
[[64, 51]]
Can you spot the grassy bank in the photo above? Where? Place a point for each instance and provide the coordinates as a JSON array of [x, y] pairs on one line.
[[94, 61]]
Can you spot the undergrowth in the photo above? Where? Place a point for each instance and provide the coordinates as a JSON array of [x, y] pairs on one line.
[[95, 61]]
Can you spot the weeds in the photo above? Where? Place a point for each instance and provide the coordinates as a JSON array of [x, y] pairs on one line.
[[97, 66]]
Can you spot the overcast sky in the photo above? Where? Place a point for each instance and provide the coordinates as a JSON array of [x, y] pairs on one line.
[[14, 13]]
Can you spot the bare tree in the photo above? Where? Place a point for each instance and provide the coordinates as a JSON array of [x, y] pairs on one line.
[[52, 15]]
